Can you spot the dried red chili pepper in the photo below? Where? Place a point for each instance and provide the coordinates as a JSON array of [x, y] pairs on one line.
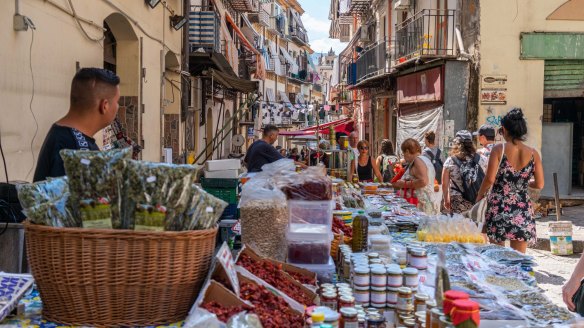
[[339, 226], [275, 277], [223, 313], [272, 310]]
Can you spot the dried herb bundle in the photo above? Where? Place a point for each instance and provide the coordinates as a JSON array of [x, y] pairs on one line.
[[47, 202], [158, 194], [96, 185], [204, 210]]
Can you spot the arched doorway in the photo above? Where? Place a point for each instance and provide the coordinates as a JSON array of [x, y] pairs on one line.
[[209, 129], [122, 55], [227, 140]]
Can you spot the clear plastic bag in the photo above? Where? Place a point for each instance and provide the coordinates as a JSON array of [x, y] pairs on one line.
[[158, 195], [204, 210], [47, 202], [244, 320], [33, 194], [310, 184], [96, 185]]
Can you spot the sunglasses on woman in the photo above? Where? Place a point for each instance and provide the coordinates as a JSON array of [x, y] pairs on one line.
[[364, 148]]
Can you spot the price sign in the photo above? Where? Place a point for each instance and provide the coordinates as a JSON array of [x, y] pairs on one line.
[[225, 258]]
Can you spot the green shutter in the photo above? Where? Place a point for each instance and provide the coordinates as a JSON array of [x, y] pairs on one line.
[[564, 75], [535, 45]]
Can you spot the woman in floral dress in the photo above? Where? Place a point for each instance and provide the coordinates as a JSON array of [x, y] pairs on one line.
[[513, 167]]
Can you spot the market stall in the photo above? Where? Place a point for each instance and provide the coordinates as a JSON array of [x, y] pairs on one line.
[[318, 251]]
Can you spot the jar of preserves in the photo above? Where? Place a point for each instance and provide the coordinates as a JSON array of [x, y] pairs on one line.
[[349, 318], [418, 258], [404, 299], [378, 297], [347, 301], [379, 277], [392, 296], [430, 305], [329, 299], [375, 321], [347, 267], [411, 277], [420, 302], [395, 278], [361, 277], [435, 318], [362, 296]]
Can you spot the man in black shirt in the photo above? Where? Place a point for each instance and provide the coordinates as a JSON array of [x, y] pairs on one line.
[[262, 152], [93, 106]]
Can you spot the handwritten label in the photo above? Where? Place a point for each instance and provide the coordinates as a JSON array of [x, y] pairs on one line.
[[85, 161], [225, 258]]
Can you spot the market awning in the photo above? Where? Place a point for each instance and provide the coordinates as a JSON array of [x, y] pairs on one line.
[[232, 82], [345, 125]]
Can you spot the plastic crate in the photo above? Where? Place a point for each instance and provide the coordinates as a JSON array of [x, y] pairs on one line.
[[228, 195], [230, 212], [219, 183]]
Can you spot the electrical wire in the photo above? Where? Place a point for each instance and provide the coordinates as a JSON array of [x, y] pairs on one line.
[[36, 130], [81, 26]]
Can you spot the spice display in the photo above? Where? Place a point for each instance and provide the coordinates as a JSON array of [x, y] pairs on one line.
[[266, 235], [507, 283], [360, 232], [96, 184], [272, 310], [274, 276], [349, 317], [159, 194], [223, 313]]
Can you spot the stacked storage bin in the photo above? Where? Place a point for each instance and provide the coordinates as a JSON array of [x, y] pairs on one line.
[[309, 236]]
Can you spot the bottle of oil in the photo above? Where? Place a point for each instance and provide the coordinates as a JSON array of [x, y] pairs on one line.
[[360, 232]]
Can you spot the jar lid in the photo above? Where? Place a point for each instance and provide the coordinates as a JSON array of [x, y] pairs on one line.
[[394, 271], [361, 289], [431, 303], [358, 306], [421, 314], [455, 295], [347, 299], [410, 271], [444, 319], [404, 290], [329, 295], [393, 290], [422, 297], [327, 285], [349, 312], [418, 252], [375, 261], [408, 322], [343, 284], [466, 305], [378, 270], [378, 289], [317, 317], [437, 311], [362, 269], [373, 255]]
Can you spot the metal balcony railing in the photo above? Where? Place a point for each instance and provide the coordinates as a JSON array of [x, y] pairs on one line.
[[298, 33], [245, 6], [429, 33], [204, 29], [277, 24], [373, 61]]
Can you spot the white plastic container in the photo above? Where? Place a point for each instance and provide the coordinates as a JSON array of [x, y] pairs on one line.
[[223, 164], [316, 213], [324, 272]]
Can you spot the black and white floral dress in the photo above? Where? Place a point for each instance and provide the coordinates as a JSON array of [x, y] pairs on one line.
[[509, 213]]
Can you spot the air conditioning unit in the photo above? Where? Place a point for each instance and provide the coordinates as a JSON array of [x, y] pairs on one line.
[[402, 5]]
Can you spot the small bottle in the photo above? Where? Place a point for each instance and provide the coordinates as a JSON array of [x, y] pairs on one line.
[[360, 232]]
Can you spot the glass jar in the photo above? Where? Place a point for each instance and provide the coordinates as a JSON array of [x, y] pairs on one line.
[[360, 232], [435, 319], [329, 300], [411, 277], [430, 305], [362, 296], [347, 267], [445, 322], [410, 323], [418, 258], [373, 255], [420, 302], [376, 321], [392, 296], [361, 277], [379, 277], [378, 297], [404, 299], [361, 321], [347, 302], [395, 278], [349, 318]]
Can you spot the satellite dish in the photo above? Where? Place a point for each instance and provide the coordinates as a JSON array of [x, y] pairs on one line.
[[238, 140]]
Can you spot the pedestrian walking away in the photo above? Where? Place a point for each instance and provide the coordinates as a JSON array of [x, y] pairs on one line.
[[434, 154]]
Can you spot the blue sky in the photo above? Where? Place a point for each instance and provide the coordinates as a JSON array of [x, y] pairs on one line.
[[316, 22]]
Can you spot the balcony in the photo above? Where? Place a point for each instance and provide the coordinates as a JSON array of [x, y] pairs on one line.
[[277, 24], [204, 30], [245, 6], [428, 34], [360, 7], [372, 62], [298, 34], [317, 87]]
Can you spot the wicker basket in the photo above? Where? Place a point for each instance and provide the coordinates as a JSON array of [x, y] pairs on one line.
[[90, 277]]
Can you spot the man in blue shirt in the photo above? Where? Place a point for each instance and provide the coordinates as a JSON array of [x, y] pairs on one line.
[[262, 152]]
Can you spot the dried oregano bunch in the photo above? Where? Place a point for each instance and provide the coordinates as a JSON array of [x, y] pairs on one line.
[[96, 186]]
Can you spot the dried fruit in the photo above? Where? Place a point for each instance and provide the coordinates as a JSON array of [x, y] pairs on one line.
[[223, 313], [272, 310]]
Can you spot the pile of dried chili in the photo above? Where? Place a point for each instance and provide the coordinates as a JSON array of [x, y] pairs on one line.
[[339, 226], [272, 310], [276, 277], [223, 313]]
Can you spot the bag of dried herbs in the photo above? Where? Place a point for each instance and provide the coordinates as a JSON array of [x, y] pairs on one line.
[[47, 202], [204, 210], [96, 185], [158, 194]]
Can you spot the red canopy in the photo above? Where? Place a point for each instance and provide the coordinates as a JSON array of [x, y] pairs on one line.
[[344, 125]]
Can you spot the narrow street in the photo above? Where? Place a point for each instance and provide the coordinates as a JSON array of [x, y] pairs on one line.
[[552, 272]]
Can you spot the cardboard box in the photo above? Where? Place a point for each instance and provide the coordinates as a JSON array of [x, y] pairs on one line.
[[245, 276], [223, 164], [222, 174], [216, 292]]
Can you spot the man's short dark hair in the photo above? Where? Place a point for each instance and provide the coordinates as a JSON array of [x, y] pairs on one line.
[[91, 84], [269, 129]]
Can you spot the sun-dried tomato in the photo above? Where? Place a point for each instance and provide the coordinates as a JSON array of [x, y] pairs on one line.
[[223, 313], [275, 277], [339, 226], [272, 310]]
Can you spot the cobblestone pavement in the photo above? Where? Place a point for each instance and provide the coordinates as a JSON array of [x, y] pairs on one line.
[[552, 272]]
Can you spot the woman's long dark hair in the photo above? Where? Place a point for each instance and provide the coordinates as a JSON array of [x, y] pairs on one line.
[[515, 124], [387, 147]]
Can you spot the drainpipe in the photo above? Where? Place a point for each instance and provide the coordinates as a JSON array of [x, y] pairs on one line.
[[16, 7], [185, 89]]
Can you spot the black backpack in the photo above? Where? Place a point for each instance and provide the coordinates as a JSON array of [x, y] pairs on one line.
[[437, 162], [472, 176]]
